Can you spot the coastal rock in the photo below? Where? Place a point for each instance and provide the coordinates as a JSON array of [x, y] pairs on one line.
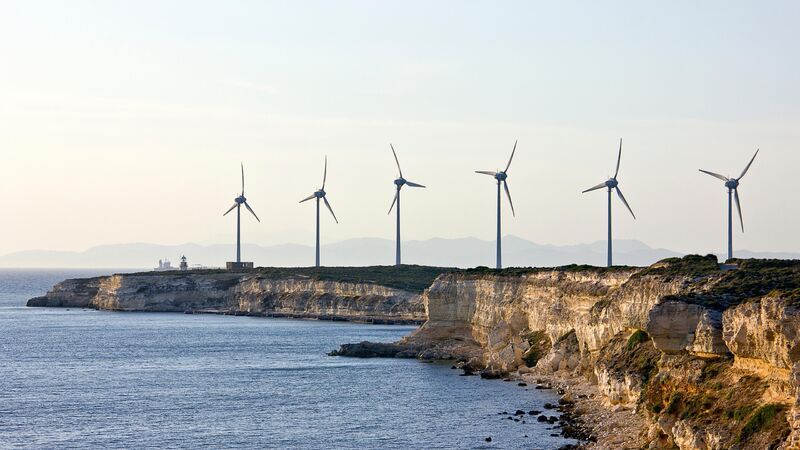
[[680, 327], [372, 350], [77, 293], [767, 330]]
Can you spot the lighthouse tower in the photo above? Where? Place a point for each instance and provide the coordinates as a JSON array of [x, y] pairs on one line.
[[184, 265]]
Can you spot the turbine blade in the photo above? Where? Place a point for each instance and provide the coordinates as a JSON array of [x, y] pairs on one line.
[[232, 207], [414, 184], [739, 207], [325, 173], [619, 158], [251, 211], [486, 172], [622, 197], [715, 175], [396, 161], [508, 194], [308, 198], [328, 205], [599, 186], [397, 194], [748, 166], [242, 179], [512, 156]]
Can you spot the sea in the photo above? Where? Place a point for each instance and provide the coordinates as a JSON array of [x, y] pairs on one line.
[[80, 378]]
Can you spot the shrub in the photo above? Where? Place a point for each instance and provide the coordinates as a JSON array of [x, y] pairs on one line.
[[674, 403], [638, 337], [742, 413], [761, 418]]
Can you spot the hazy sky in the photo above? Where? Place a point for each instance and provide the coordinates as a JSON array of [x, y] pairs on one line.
[[126, 121]]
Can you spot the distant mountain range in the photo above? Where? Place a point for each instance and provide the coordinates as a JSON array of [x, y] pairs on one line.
[[463, 252]]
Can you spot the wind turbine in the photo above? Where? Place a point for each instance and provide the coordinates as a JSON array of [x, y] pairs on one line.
[[501, 177], [238, 202], [613, 185], [733, 188], [320, 194], [400, 182]]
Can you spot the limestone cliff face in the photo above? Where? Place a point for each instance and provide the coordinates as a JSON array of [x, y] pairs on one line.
[[76, 293], [326, 299], [669, 342], [501, 311], [236, 293], [165, 293]]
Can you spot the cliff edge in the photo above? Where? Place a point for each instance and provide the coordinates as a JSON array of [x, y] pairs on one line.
[[367, 294]]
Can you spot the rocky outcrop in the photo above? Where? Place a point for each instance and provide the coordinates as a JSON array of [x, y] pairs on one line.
[[497, 313], [239, 293], [76, 293], [678, 327], [766, 330]]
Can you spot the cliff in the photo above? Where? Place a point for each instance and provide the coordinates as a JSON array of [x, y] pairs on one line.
[[707, 356], [377, 294]]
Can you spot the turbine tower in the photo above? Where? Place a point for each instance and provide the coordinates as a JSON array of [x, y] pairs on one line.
[[501, 177], [733, 189], [613, 185], [400, 182], [238, 202], [320, 195]]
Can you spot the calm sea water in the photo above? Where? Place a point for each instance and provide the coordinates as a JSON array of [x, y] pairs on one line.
[[83, 378]]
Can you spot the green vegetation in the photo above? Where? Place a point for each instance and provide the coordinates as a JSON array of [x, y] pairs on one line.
[[754, 279], [407, 277], [690, 265], [521, 271], [762, 418], [633, 355], [674, 404], [740, 414], [637, 338], [714, 400]]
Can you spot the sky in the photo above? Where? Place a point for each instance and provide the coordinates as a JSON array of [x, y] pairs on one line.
[[127, 121]]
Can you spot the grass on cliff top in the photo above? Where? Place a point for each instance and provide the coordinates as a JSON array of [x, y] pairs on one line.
[[411, 278], [754, 279], [520, 271], [689, 265]]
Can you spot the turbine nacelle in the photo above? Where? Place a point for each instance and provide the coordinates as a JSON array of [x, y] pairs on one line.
[[319, 194], [501, 176], [400, 182], [612, 183], [240, 199], [732, 183]]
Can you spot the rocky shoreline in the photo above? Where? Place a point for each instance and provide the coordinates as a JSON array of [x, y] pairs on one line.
[[578, 414], [323, 317]]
